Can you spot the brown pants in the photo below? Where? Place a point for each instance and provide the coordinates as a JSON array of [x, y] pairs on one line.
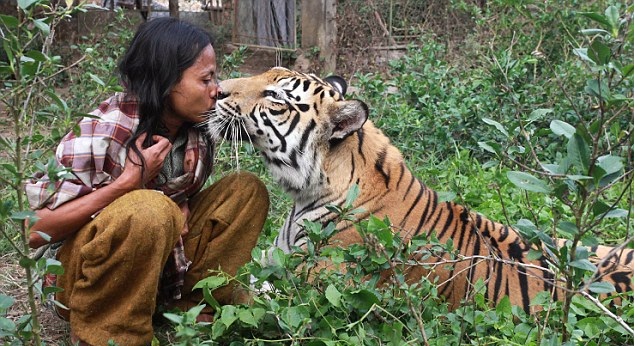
[[113, 264]]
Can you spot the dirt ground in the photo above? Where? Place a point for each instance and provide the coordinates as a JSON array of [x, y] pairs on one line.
[[12, 282]]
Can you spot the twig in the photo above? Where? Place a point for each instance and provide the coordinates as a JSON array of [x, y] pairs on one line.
[[617, 319]]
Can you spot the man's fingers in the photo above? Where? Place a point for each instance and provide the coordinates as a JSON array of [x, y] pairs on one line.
[[140, 139], [159, 139], [162, 146]]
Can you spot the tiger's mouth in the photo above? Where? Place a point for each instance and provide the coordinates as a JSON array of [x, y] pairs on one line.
[[223, 123]]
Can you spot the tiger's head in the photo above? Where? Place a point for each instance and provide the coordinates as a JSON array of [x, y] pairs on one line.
[[291, 117]]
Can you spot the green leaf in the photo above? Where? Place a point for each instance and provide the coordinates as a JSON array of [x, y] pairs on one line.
[[211, 282], [561, 128], [11, 168], [607, 170], [97, 79], [351, 196], [528, 182], [597, 17], [534, 254], [44, 236], [578, 153], [5, 72], [54, 266], [293, 316], [592, 326], [552, 168], [173, 317], [60, 305], [6, 302], [210, 300], [218, 329], [58, 101], [600, 208], [515, 149], [393, 333], [599, 52], [610, 164], [26, 262], [582, 130], [251, 316], [597, 89], [568, 228], [627, 70], [601, 287], [42, 25], [28, 68], [362, 299], [496, 124], [333, 295], [504, 307], [617, 99], [617, 213], [328, 231], [228, 315], [578, 177], [446, 196], [583, 264], [9, 21], [9, 48], [6, 325], [593, 32], [539, 113], [23, 215], [491, 147], [25, 4], [36, 55], [380, 229], [612, 16], [51, 289], [526, 226], [582, 53]]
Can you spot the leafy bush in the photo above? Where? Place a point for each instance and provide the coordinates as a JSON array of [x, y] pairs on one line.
[[314, 305]]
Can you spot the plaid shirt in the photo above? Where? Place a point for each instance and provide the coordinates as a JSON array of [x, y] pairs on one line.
[[96, 157]]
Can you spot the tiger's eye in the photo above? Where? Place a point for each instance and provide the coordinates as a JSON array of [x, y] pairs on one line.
[[270, 93]]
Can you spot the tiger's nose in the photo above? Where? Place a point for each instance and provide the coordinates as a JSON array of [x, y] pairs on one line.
[[221, 95]]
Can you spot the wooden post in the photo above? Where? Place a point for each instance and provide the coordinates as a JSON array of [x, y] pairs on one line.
[[173, 5], [319, 30]]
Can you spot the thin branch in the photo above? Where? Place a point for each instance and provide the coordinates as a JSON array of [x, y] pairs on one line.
[[608, 312], [15, 246]]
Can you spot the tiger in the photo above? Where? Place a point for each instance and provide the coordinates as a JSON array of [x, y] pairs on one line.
[[317, 145]]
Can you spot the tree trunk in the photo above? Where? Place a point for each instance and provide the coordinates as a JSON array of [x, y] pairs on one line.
[[174, 8]]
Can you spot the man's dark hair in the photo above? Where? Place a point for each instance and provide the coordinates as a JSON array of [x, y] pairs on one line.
[[160, 51]]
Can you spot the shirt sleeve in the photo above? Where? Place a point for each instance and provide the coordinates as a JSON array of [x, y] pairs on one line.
[[94, 158]]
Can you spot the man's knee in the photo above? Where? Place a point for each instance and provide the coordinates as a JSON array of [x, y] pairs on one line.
[[147, 214]]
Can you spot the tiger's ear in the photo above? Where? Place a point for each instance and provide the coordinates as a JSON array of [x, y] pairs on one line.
[[347, 117], [338, 83]]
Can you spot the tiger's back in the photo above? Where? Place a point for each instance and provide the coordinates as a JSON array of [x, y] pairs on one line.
[[317, 145]]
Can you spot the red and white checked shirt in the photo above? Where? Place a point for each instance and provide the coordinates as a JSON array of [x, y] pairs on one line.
[[96, 156]]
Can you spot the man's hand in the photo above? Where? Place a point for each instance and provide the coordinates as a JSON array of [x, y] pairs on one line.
[[153, 156]]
